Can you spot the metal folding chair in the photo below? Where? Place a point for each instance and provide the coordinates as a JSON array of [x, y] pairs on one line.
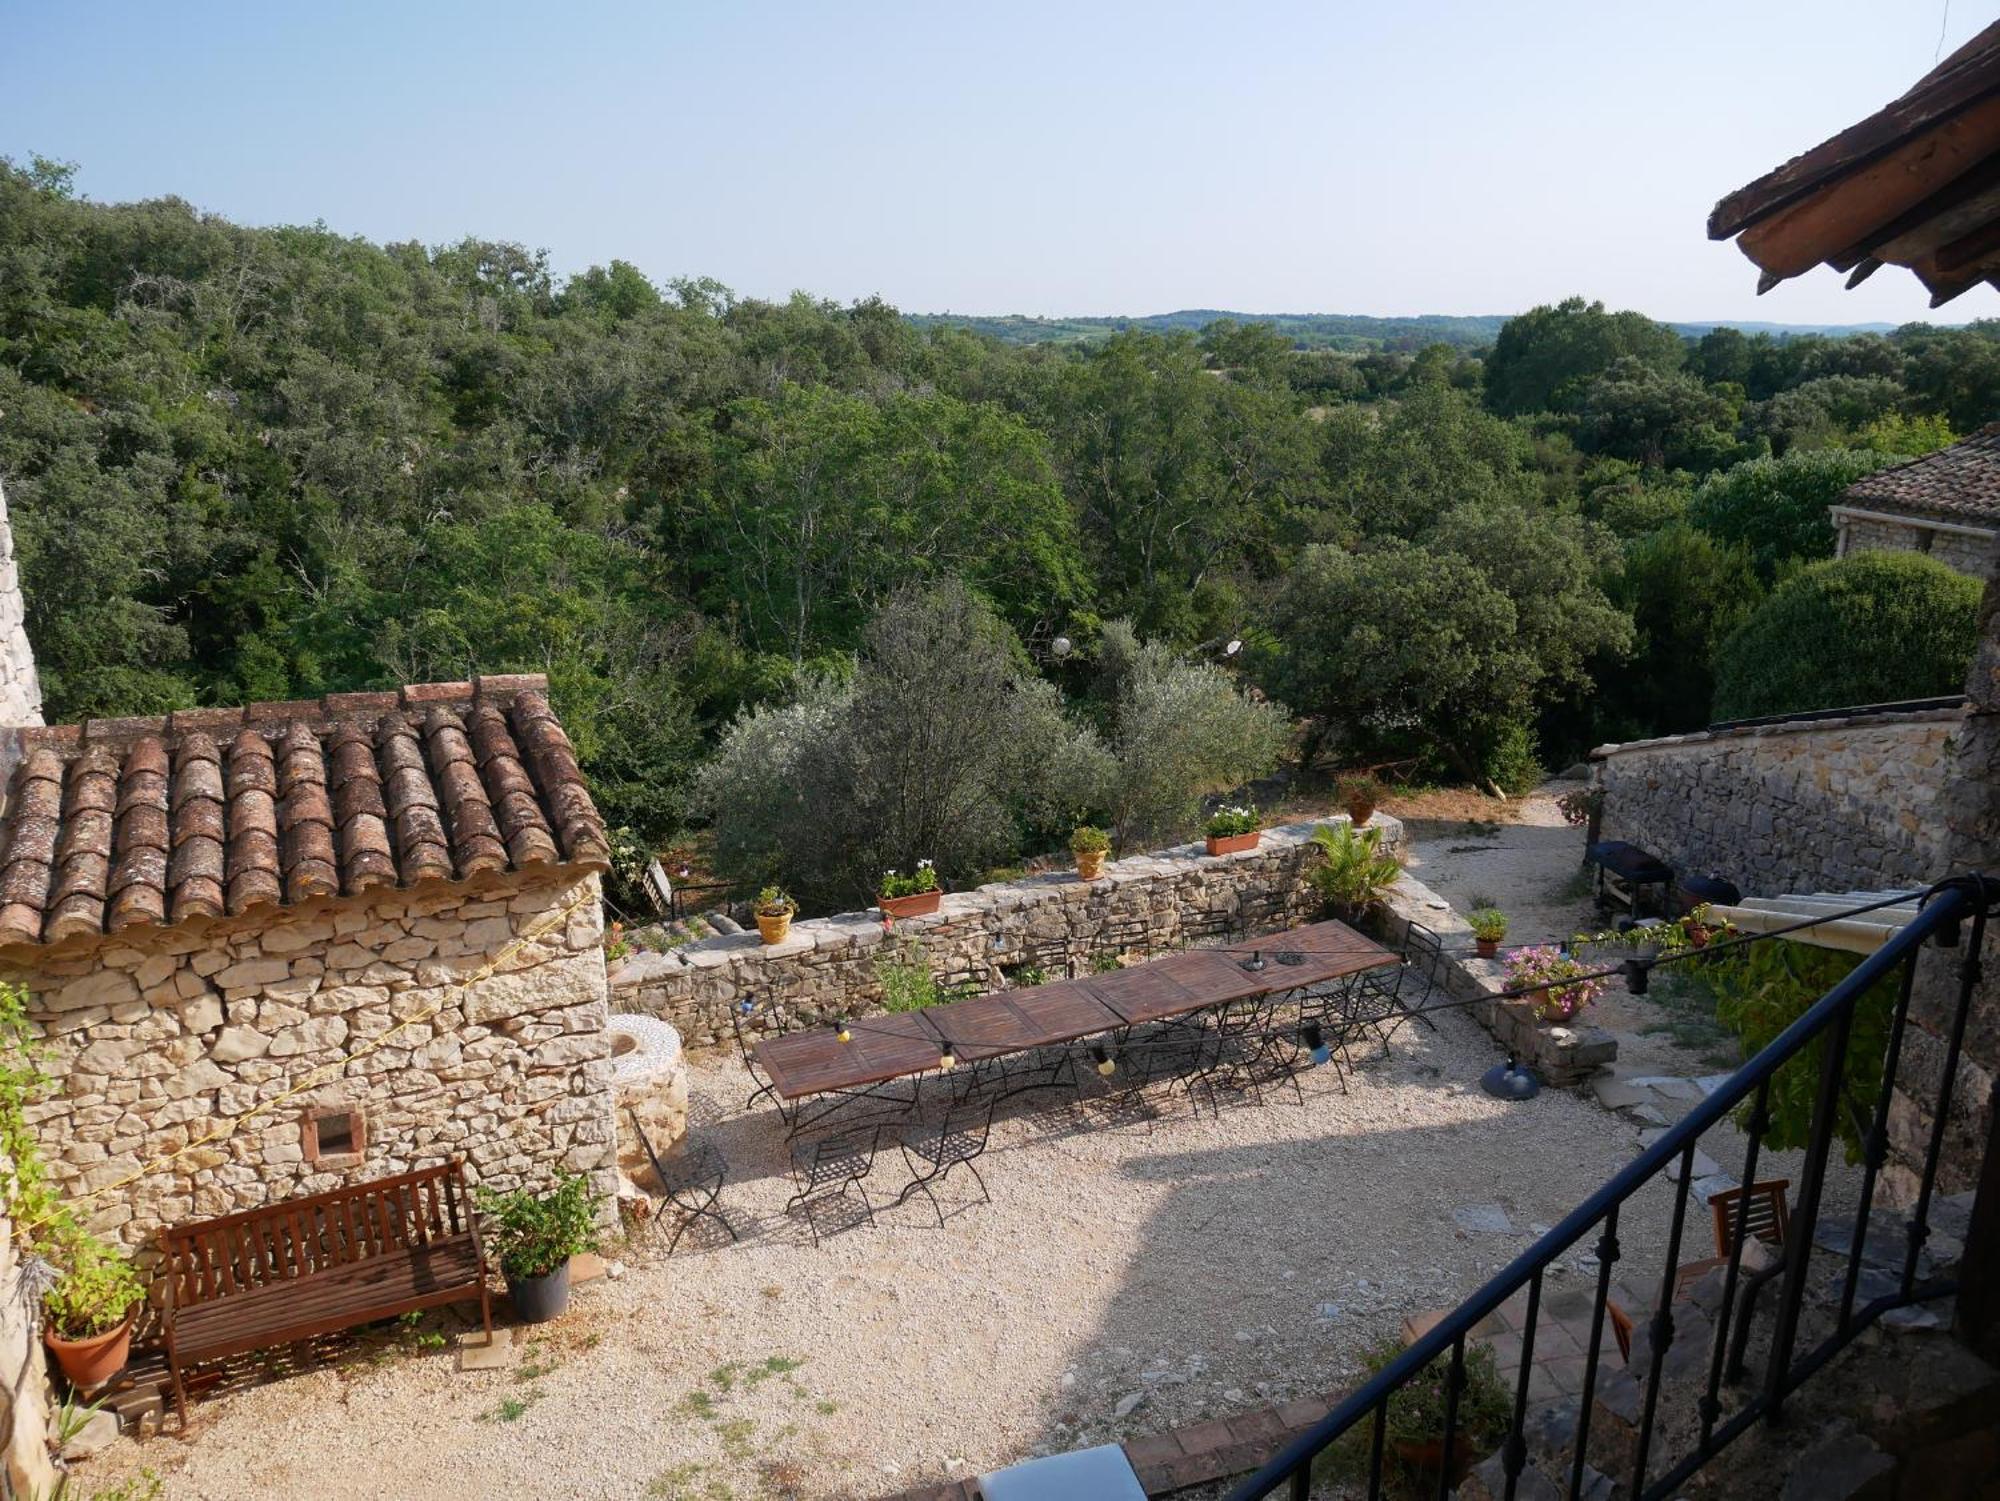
[[825, 1169], [958, 1141], [740, 1013], [691, 1179], [1400, 994]]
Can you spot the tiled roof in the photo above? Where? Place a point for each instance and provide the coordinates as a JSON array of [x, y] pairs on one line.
[[1960, 483], [117, 823]]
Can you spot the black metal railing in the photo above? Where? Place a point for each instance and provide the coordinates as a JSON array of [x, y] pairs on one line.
[[1946, 909]]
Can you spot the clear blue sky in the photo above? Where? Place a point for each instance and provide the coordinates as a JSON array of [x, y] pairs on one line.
[[1459, 156]]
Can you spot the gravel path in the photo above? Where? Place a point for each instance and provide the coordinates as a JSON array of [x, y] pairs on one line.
[[1123, 1280]]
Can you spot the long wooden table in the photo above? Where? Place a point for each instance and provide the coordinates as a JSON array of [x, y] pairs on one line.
[[882, 1048]]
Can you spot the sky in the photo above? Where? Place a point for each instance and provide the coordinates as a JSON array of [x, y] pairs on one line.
[[1345, 156]]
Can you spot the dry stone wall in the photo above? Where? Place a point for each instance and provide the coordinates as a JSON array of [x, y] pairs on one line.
[[1808, 805], [1969, 550], [1056, 924], [20, 688], [159, 1034]]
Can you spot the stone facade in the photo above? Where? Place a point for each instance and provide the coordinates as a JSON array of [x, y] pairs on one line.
[[24, 1395], [20, 688], [458, 1018], [1968, 549], [1057, 925], [1805, 805]]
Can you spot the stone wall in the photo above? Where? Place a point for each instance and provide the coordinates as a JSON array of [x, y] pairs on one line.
[[358, 1003], [1564, 1055], [1056, 924], [1807, 805], [1967, 549], [24, 1413], [20, 688]]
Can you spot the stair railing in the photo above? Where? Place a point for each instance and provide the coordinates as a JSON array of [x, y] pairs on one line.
[[1945, 910]]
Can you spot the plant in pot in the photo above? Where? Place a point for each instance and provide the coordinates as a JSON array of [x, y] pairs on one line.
[[1355, 872], [1413, 1455], [1090, 846], [533, 1236], [1489, 926], [1232, 829], [912, 895], [90, 1309], [1558, 984], [774, 911], [1359, 795]]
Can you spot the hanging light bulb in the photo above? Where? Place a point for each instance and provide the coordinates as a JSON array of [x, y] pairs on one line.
[[1314, 1037], [1060, 647], [946, 1057], [841, 1031], [748, 1004], [1637, 975], [1233, 647], [1106, 1064]]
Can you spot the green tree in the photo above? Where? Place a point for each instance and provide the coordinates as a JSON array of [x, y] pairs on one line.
[[1779, 508], [1543, 360], [1871, 628], [1686, 593]]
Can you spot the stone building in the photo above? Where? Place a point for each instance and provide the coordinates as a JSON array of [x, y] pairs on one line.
[[1946, 504], [281, 947]]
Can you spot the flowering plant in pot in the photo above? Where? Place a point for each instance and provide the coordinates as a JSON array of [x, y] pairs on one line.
[[1413, 1456], [1359, 795], [1489, 926], [1232, 829], [533, 1236], [910, 895], [1562, 986], [1090, 846], [90, 1310], [774, 911]]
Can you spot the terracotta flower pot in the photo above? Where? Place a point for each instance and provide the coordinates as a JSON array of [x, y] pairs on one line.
[[1427, 1458], [1230, 844], [1360, 812], [910, 906], [1489, 948], [1090, 863], [91, 1362], [773, 928]]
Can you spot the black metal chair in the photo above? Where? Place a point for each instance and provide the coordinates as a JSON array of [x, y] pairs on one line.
[[691, 1179], [825, 1169], [958, 1141], [1399, 995], [739, 1012]]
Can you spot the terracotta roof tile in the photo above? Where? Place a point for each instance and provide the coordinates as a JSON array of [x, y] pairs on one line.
[[1960, 483], [120, 822]]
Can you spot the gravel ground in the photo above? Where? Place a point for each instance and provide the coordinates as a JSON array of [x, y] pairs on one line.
[[1123, 1280]]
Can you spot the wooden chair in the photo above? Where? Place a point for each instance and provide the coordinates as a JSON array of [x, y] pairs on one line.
[[1764, 1204]]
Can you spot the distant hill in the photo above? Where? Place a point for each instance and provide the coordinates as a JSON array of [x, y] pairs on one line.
[[1344, 331]]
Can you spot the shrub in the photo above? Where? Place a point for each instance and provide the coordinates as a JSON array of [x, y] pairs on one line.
[[1415, 1419], [1870, 628], [1226, 823], [1489, 924], [906, 980], [1356, 871], [531, 1234], [96, 1290], [1778, 507], [1088, 840]]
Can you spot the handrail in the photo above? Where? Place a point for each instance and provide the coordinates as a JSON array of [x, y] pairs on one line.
[[1945, 907]]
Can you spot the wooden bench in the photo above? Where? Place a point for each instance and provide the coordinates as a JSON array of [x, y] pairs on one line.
[[316, 1265]]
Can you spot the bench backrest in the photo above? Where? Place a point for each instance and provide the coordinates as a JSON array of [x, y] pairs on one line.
[[294, 1238]]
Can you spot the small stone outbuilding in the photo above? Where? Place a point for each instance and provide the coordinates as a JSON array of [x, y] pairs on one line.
[[1945, 504], [280, 948]]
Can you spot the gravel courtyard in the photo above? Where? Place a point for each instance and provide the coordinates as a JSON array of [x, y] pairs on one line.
[[1125, 1278]]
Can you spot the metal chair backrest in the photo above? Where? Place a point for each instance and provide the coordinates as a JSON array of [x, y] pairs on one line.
[[1764, 1206], [1423, 953]]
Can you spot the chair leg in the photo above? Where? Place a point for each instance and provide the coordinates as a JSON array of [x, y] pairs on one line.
[[180, 1386], [984, 1195], [486, 1309]]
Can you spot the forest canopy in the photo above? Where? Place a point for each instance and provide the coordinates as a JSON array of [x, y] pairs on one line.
[[273, 463]]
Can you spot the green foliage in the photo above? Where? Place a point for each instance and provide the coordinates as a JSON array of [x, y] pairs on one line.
[[1488, 924], [895, 883], [532, 1234], [1686, 592], [1873, 627], [1415, 1419], [1762, 988], [1360, 787], [774, 901], [1544, 359], [1088, 840], [1226, 823], [96, 1290], [1356, 871], [1777, 508], [906, 980]]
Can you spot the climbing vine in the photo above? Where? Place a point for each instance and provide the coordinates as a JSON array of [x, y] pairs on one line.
[[26, 1196]]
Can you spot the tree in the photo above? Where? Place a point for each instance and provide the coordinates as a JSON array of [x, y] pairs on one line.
[[1778, 508], [1656, 417], [1871, 628], [1394, 472], [1686, 592], [1543, 359]]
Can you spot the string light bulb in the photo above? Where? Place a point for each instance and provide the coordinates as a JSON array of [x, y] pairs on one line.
[[946, 1057], [747, 1005], [1638, 973], [1106, 1064], [841, 1031], [1314, 1037]]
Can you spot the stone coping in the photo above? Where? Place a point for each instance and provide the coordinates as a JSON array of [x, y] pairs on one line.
[[1782, 727], [860, 930]]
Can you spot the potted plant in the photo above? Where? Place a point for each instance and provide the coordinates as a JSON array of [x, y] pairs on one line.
[[774, 911], [1090, 846], [1356, 871], [1489, 926], [1559, 985], [1232, 829], [1413, 1430], [533, 1236], [1359, 795], [90, 1310], [911, 895]]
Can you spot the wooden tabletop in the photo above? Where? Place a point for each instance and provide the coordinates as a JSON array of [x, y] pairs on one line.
[[1015, 1021]]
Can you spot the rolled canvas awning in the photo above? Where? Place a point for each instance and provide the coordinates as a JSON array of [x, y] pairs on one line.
[[1857, 935]]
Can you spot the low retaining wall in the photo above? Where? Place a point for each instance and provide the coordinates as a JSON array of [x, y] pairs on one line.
[[1805, 805], [1563, 1056], [1055, 924]]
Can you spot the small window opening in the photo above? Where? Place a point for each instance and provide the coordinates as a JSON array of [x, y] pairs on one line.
[[336, 1137]]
